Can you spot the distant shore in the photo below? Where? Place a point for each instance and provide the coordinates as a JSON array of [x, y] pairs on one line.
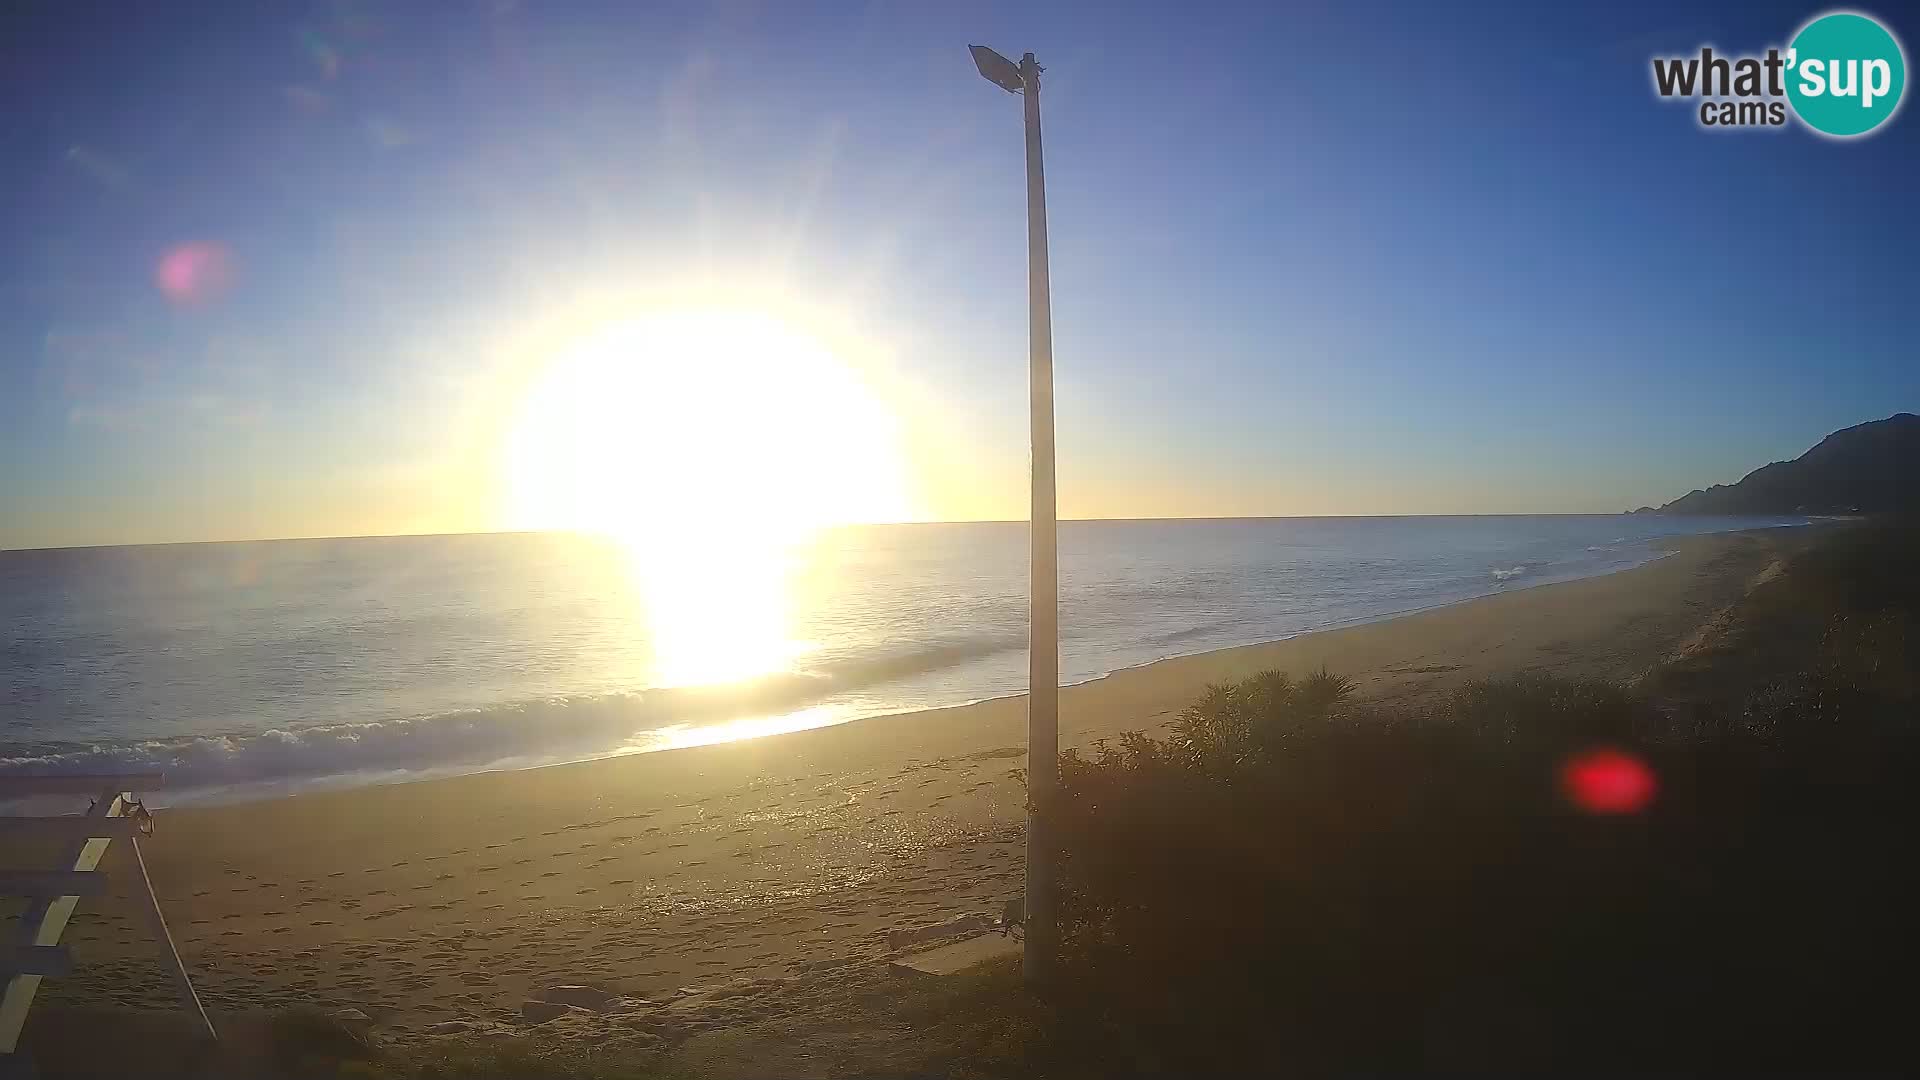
[[453, 898]]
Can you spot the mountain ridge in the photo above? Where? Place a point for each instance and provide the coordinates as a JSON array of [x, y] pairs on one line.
[[1869, 468]]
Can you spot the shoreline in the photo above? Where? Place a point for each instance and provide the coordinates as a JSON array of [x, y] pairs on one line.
[[456, 898], [279, 788]]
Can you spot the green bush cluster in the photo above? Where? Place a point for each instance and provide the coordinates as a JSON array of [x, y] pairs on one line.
[[1295, 878]]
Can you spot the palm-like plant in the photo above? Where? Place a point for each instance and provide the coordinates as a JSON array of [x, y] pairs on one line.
[[1237, 725]]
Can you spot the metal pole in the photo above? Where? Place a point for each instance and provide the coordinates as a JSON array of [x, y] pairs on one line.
[[1043, 646]]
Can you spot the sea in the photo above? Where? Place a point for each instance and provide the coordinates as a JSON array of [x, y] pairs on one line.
[[256, 668]]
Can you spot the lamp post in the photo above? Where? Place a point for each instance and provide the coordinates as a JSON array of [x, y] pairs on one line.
[[1043, 627]]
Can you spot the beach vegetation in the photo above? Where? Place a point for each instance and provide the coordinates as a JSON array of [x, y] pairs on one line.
[[1696, 871]]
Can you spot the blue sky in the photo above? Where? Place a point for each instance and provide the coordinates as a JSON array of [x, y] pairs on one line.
[[1314, 258]]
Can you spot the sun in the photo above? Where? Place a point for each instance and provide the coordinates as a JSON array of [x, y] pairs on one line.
[[711, 444], [699, 422]]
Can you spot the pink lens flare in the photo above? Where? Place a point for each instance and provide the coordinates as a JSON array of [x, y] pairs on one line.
[[194, 273], [1608, 782]]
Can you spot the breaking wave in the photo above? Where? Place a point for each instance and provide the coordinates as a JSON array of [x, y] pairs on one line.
[[510, 735]]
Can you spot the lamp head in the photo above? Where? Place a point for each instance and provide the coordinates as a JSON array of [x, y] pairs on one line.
[[998, 70]]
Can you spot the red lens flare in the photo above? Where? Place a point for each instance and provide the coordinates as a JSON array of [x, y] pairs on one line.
[[1608, 782], [194, 273]]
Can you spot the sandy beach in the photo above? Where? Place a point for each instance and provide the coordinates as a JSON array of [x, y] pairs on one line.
[[453, 899]]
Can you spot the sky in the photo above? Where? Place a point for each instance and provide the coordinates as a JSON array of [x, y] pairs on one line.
[[295, 269]]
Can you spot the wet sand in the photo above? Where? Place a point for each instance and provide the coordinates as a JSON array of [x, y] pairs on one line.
[[454, 899]]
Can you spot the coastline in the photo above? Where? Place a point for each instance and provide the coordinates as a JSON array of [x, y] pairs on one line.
[[797, 716], [451, 898]]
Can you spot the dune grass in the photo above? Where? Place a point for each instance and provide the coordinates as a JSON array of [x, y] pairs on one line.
[[1292, 879]]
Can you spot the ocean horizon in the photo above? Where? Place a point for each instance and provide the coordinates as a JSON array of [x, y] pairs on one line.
[[251, 668]]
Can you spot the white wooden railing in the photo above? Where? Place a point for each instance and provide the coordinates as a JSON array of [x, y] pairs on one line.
[[52, 895]]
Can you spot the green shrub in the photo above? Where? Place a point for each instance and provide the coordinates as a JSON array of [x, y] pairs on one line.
[[1240, 725], [1291, 879]]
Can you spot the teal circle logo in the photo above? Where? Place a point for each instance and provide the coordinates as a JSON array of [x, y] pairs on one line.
[[1845, 74]]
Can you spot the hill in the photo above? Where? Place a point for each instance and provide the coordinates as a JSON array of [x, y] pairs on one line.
[[1868, 468]]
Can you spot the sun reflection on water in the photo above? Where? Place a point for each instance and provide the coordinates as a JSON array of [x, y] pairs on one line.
[[717, 611], [683, 736]]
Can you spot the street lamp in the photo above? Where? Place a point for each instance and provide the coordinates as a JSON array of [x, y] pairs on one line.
[[1043, 629]]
